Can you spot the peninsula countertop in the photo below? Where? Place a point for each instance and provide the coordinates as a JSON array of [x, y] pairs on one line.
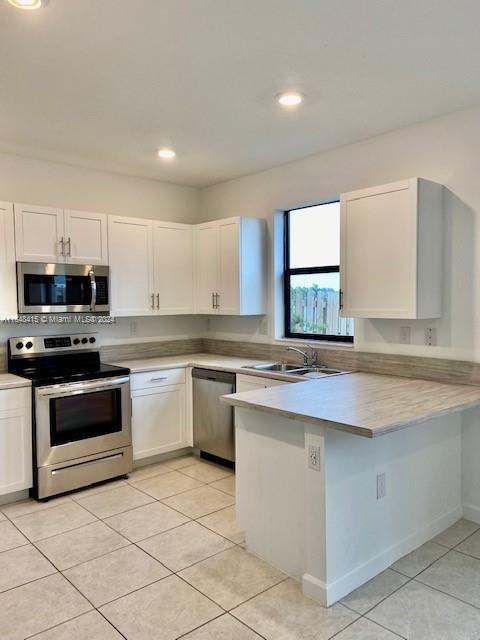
[[364, 404]]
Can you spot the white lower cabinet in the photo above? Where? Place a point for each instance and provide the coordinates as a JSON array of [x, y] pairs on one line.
[[15, 440], [251, 383], [159, 411]]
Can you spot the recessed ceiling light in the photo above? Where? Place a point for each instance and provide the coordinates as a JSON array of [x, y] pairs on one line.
[[166, 154], [28, 4], [290, 99]]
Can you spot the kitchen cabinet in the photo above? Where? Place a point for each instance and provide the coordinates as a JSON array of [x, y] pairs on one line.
[[8, 280], [391, 251], [151, 267], [252, 383], [173, 268], [15, 440], [48, 234], [39, 234], [230, 267], [159, 412], [86, 238], [131, 276]]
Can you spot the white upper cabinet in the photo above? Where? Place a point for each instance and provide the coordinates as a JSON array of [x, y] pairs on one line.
[[206, 267], [391, 251], [47, 234], [173, 268], [39, 234], [230, 267], [8, 280], [150, 267], [131, 277], [86, 237]]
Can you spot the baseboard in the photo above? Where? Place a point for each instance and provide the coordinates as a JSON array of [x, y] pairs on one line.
[[315, 589], [328, 594], [14, 497], [471, 512]]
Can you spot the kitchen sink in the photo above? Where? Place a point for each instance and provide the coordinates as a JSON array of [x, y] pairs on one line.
[[296, 370], [277, 366]]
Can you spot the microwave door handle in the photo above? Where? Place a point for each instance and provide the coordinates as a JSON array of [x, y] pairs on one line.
[[93, 284]]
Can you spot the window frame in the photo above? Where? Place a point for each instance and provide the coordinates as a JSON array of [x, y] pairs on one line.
[[288, 272]]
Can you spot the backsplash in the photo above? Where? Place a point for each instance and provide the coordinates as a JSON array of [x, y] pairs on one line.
[[439, 369]]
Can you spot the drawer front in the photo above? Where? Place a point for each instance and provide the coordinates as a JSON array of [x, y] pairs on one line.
[[20, 398], [161, 378]]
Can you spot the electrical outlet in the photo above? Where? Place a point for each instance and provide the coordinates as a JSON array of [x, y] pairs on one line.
[[314, 453], [405, 335], [430, 336], [381, 486]]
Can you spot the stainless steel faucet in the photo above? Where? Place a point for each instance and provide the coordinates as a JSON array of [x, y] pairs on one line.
[[313, 352]]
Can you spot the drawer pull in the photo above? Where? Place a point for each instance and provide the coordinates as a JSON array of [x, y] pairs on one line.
[[158, 379]]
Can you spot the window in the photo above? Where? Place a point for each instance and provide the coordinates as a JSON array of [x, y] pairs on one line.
[[312, 274]]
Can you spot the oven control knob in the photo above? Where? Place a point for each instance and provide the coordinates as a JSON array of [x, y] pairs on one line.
[[92, 340], [84, 340], [29, 345], [76, 341], [19, 345]]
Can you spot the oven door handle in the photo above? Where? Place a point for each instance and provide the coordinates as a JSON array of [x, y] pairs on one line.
[[77, 388], [93, 284]]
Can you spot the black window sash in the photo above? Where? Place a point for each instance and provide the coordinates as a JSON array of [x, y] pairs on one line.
[[287, 274]]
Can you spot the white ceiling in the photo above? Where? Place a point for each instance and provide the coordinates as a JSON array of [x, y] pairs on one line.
[[104, 83]]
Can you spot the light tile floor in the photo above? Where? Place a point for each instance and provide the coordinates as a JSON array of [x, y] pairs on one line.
[[159, 556]]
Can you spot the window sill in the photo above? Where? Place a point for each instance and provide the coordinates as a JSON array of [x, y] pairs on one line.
[[324, 344]]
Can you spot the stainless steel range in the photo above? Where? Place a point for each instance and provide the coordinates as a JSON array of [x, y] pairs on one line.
[[81, 411]]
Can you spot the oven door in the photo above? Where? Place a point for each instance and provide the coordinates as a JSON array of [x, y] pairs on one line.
[[82, 418], [62, 288]]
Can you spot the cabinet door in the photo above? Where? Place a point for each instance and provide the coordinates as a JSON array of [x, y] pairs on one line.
[[228, 267], [8, 281], [206, 267], [378, 252], [15, 450], [86, 237], [252, 383], [39, 234], [158, 420], [131, 266], [173, 268]]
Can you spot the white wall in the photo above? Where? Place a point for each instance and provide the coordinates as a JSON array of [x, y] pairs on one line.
[[48, 183], [444, 150], [60, 185]]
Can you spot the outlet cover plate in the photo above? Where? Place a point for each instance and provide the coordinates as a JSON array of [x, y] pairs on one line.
[[314, 459]]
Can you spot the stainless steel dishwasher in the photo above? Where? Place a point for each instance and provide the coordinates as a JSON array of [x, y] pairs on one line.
[[213, 428]]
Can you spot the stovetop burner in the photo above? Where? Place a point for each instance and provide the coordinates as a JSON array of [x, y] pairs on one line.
[[48, 360]]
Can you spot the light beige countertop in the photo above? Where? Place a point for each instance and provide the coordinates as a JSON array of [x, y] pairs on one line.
[[365, 404], [10, 381], [204, 361]]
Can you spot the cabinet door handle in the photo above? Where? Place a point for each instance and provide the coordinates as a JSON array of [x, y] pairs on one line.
[[153, 300], [158, 301], [69, 242], [340, 299], [62, 244], [158, 379], [213, 300], [217, 301]]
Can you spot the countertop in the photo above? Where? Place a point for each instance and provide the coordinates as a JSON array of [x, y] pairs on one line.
[[10, 381], [204, 361], [365, 404]]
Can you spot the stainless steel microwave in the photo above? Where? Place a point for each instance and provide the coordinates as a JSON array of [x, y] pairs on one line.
[[62, 288]]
